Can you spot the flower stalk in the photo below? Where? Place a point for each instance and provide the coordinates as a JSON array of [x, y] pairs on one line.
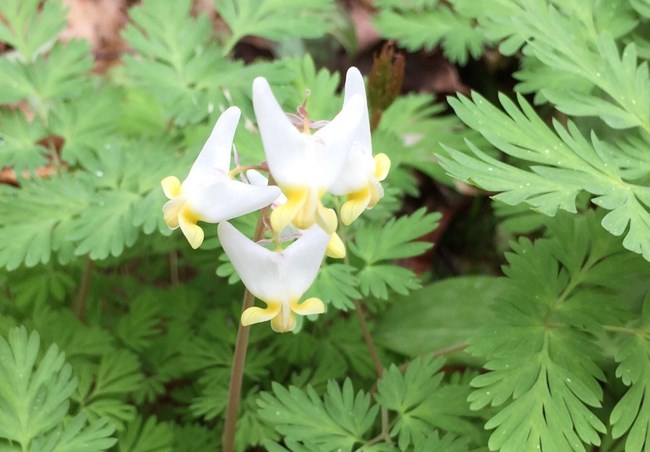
[[239, 357]]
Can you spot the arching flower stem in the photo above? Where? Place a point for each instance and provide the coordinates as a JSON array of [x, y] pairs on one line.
[[243, 168], [239, 356]]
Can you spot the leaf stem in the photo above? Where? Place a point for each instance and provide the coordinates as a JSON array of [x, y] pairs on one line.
[[239, 357], [79, 306], [379, 367], [625, 330], [230, 44]]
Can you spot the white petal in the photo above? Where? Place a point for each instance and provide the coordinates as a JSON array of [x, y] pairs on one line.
[[337, 137], [303, 260], [358, 168], [259, 269], [354, 85], [257, 178], [217, 150], [227, 198], [283, 143]]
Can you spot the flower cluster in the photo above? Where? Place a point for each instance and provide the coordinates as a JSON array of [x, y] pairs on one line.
[[303, 167]]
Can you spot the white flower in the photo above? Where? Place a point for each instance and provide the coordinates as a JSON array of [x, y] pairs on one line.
[[209, 193], [304, 165], [278, 278], [362, 174], [335, 247]]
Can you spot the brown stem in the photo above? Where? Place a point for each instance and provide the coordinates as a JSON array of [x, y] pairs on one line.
[[239, 357], [379, 367], [79, 306]]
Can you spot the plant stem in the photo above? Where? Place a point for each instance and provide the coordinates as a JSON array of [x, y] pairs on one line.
[[239, 357], [379, 367], [79, 307]]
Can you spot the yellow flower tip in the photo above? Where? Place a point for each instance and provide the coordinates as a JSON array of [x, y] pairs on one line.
[[283, 324], [382, 166], [171, 187], [171, 210], [192, 231], [309, 306], [335, 247], [291, 210], [257, 315], [194, 235], [326, 219], [355, 205]]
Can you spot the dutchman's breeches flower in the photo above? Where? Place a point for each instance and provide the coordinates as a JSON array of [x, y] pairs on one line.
[[304, 166], [209, 193], [362, 173], [278, 278]]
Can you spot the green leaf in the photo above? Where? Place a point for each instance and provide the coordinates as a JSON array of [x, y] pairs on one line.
[[375, 280], [118, 373], [338, 421], [19, 147], [442, 314], [420, 27], [336, 286], [275, 19], [103, 390], [542, 376], [34, 397], [423, 403], [142, 324], [29, 26], [147, 437], [179, 63], [76, 436], [107, 226], [565, 163], [62, 74], [396, 238], [631, 413], [42, 285], [86, 125]]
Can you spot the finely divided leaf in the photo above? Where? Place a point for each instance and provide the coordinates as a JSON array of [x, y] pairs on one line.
[[276, 19], [338, 421], [34, 398], [542, 374], [559, 166]]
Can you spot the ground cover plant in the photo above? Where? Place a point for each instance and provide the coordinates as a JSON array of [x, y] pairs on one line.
[[315, 226]]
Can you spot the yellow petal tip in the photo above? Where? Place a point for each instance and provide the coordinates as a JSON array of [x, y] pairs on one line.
[[336, 247], [171, 186], [382, 166]]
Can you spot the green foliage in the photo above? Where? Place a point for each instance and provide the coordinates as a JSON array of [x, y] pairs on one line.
[[28, 30], [35, 399], [442, 314], [275, 19], [562, 164], [425, 25], [149, 435], [421, 402], [20, 146], [338, 421], [559, 344], [376, 244], [631, 412], [541, 349]]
